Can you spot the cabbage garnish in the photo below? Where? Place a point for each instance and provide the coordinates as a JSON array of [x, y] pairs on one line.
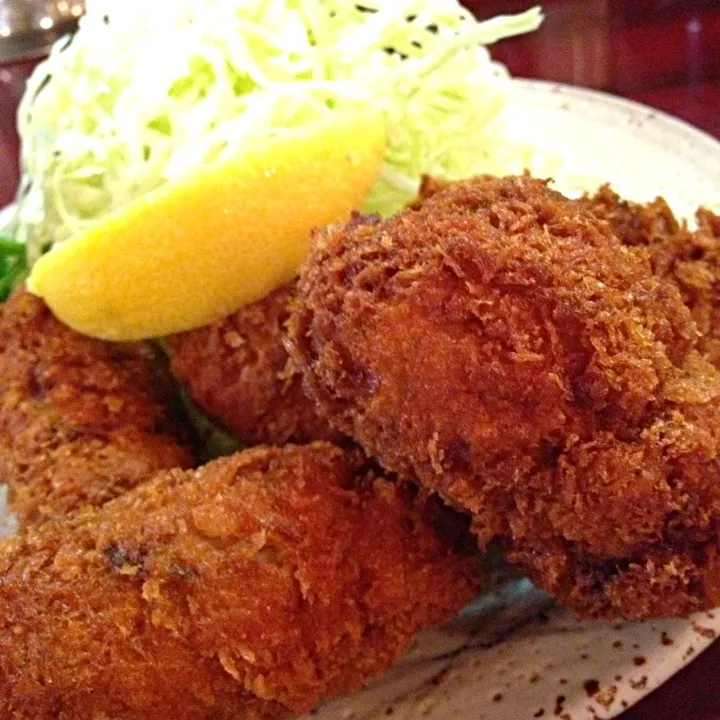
[[145, 91]]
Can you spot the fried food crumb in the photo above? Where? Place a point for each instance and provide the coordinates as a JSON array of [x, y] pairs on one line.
[[250, 588], [498, 342], [238, 372], [81, 420]]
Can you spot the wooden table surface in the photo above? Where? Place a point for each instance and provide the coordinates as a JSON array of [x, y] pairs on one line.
[[665, 53]]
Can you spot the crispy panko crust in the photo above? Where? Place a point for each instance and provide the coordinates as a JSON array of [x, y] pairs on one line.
[[250, 588], [238, 372], [690, 259], [500, 344], [81, 420]]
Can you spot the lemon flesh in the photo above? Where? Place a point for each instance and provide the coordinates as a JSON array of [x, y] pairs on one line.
[[199, 248]]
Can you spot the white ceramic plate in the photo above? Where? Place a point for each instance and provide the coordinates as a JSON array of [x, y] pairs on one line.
[[511, 655], [587, 138]]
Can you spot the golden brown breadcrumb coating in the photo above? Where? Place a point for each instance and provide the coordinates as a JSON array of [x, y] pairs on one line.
[[248, 589], [81, 420], [238, 372], [500, 344], [690, 259], [638, 224]]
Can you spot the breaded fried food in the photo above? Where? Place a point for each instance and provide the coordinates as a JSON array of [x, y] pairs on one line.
[[248, 589], [238, 372], [635, 224], [500, 344], [689, 258], [81, 420]]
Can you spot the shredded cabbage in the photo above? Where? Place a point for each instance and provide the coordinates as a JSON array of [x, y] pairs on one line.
[[145, 91]]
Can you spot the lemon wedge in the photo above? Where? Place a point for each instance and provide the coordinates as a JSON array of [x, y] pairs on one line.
[[201, 247]]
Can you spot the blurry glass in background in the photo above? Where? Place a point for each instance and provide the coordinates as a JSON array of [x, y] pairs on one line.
[[29, 27]]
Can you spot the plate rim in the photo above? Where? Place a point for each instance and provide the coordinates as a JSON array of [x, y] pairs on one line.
[[611, 99], [5, 214]]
